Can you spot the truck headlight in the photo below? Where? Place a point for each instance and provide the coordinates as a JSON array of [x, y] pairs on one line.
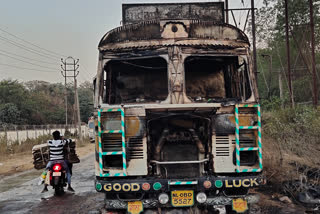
[[163, 198], [201, 197]]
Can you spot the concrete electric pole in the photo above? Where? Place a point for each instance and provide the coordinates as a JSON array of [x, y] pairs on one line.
[[70, 65]]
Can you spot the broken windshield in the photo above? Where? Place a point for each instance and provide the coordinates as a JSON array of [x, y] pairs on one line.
[[135, 81], [213, 79]]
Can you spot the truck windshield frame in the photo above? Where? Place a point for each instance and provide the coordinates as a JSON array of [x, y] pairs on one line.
[[217, 78], [142, 80]]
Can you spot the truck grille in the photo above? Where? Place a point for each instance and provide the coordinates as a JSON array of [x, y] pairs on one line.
[[111, 143], [135, 148], [180, 151], [222, 146]]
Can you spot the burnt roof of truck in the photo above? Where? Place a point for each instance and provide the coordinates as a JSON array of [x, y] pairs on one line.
[[174, 32], [206, 11]]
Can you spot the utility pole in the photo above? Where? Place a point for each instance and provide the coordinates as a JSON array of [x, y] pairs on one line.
[[70, 65], [288, 54], [280, 88], [270, 73], [64, 74], [315, 88], [254, 39], [227, 11]]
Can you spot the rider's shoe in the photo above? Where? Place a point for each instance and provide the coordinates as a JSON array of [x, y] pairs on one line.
[[45, 189], [70, 188]]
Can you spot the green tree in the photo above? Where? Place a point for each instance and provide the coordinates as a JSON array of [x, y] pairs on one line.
[[272, 42], [85, 100], [13, 96], [9, 113]]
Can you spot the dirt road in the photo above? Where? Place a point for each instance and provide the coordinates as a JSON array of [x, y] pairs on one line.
[[21, 194]]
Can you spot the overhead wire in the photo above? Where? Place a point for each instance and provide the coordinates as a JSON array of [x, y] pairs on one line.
[[26, 48], [17, 37], [31, 69], [36, 60], [86, 71], [25, 61]]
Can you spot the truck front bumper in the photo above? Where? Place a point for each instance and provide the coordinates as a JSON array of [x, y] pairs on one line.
[[154, 185], [153, 203]]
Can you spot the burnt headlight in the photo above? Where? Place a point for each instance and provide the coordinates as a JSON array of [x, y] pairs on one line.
[[163, 198], [201, 197]]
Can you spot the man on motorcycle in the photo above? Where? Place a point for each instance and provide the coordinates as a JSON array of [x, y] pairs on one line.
[[57, 154]]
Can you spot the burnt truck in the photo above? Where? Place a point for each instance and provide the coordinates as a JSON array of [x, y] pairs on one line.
[[177, 119]]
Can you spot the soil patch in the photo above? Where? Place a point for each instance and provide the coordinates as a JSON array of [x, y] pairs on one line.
[[20, 162]]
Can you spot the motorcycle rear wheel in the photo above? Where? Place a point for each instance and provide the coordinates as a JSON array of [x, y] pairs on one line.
[[58, 190]]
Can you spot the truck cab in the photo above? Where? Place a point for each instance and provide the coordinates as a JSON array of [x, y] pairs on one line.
[[177, 118]]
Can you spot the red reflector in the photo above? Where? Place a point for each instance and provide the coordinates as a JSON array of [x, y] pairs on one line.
[[207, 184], [57, 167], [145, 186]]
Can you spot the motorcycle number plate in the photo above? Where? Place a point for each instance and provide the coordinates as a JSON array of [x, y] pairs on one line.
[[56, 174]]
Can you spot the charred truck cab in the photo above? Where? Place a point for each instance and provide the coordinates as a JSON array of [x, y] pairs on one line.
[[177, 116]]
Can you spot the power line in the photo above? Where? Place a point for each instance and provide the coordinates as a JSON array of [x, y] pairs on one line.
[[29, 48], [26, 48], [51, 63], [26, 61], [86, 71], [31, 69], [11, 34]]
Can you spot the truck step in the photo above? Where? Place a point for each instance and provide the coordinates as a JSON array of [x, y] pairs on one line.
[[248, 127], [249, 149]]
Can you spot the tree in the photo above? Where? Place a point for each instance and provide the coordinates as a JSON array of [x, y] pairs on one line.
[[271, 41], [9, 113], [85, 100]]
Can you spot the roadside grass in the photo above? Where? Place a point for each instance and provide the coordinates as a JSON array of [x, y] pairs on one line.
[[295, 130], [14, 148], [10, 148], [83, 142], [291, 144]]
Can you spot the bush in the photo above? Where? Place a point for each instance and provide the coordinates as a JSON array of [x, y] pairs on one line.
[[297, 130], [25, 146]]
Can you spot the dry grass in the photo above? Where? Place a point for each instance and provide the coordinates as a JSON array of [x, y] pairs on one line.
[[291, 148], [22, 160], [280, 164], [7, 149], [25, 147], [83, 142]]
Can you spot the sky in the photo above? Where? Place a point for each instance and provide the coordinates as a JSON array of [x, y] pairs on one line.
[[36, 34]]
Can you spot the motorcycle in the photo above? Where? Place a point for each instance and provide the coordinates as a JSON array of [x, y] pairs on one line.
[[57, 178]]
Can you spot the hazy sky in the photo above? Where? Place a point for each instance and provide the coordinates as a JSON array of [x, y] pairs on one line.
[[63, 27]]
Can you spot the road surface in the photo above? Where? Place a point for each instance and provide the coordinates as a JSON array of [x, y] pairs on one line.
[[21, 194]]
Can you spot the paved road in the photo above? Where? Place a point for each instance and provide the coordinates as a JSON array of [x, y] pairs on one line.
[[21, 194]]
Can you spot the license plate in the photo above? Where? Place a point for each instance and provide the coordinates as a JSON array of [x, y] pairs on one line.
[[239, 205], [182, 198], [135, 207], [56, 174]]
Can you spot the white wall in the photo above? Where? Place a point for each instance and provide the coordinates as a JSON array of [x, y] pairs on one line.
[[22, 135]]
